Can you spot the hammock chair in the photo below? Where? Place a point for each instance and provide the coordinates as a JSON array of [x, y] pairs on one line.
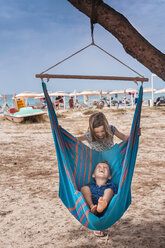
[[76, 162]]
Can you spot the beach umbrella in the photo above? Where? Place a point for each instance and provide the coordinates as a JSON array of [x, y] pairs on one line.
[[58, 93], [129, 90], [160, 91], [148, 90], [27, 94], [87, 93], [41, 95], [74, 93], [132, 91], [117, 92]]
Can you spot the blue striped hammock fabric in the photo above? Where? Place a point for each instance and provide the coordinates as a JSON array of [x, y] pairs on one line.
[[76, 161]]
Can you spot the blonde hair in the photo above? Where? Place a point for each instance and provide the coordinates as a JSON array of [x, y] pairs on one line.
[[97, 120]]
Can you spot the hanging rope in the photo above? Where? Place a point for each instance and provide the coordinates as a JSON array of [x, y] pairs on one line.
[[117, 60], [67, 58], [86, 48], [93, 20]]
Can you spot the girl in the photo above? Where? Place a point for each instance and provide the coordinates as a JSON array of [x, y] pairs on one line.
[[100, 137], [100, 133]]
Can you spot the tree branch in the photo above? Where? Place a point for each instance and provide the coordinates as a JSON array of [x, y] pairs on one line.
[[133, 42]]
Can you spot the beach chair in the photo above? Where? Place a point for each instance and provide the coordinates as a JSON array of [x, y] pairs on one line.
[[20, 103]]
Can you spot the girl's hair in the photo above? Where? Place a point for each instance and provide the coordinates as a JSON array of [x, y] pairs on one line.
[[97, 120]]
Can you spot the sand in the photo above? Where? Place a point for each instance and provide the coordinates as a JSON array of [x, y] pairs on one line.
[[31, 213]]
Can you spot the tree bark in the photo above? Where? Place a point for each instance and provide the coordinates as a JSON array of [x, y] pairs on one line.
[[133, 42]]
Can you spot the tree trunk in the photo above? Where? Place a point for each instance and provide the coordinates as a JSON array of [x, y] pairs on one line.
[[133, 42]]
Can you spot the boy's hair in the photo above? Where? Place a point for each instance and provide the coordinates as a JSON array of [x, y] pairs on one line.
[[104, 162], [97, 120]]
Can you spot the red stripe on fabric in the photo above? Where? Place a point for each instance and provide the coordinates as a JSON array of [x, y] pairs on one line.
[[135, 125], [71, 152], [123, 143], [134, 138], [76, 159], [71, 146], [66, 145], [87, 222], [80, 167], [78, 212], [124, 177], [122, 162], [85, 169], [72, 155], [82, 217], [123, 151], [68, 135], [77, 202], [90, 165]]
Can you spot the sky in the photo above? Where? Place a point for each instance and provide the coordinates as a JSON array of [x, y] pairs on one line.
[[37, 34]]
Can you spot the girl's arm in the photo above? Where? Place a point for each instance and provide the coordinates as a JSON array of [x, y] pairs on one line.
[[123, 136], [120, 135], [82, 137]]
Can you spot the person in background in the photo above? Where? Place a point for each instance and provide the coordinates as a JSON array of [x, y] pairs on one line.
[[71, 103]]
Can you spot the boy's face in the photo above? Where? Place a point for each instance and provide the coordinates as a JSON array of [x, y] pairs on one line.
[[102, 171]]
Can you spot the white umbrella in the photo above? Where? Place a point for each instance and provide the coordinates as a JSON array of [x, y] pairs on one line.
[[129, 90], [27, 95], [89, 93], [58, 93], [148, 90], [75, 93], [160, 91], [117, 92], [132, 91], [41, 95]]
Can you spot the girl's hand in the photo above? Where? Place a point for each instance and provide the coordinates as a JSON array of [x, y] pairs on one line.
[[139, 131]]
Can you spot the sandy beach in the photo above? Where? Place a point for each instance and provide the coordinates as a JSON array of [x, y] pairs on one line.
[[31, 213]]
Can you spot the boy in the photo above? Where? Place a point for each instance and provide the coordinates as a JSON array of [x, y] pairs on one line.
[[99, 193]]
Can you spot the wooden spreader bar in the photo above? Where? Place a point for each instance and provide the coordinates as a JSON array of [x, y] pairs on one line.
[[48, 76]]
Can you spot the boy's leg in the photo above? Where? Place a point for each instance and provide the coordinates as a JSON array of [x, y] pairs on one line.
[[105, 200], [85, 190]]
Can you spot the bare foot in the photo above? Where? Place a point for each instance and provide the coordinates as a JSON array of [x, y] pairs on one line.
[[93, 209], [102, 204]]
